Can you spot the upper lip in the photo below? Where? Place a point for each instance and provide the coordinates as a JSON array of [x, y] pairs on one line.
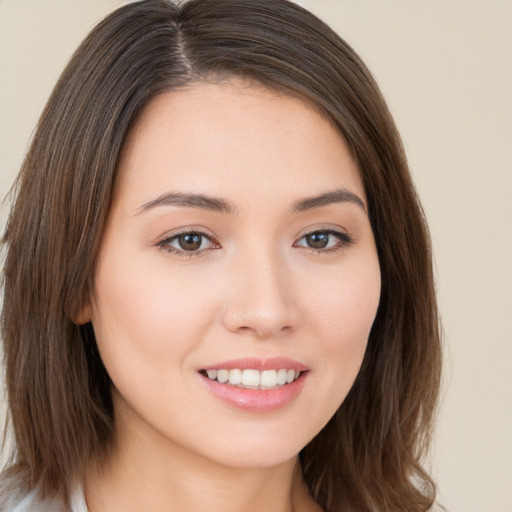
[[255, 363]]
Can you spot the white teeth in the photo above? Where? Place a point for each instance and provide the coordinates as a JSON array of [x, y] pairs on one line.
[[281, 376], [249, 378], [222, 375], [269, 378], [235, 377]]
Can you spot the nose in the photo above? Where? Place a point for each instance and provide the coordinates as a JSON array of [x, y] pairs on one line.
[[261, 300]]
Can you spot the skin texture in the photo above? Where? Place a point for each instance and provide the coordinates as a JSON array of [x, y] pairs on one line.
[[257, 289]]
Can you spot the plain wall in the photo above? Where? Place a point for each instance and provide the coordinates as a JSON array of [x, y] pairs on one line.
[[445, 68]]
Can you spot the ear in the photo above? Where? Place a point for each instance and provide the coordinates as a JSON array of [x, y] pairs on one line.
[[83, 313]]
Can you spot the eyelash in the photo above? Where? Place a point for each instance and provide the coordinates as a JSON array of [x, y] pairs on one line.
[[344, 241], [164, 244]]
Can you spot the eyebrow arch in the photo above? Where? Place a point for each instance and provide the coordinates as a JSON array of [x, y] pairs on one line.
[[335, 196], [219, 205], [214, 204]]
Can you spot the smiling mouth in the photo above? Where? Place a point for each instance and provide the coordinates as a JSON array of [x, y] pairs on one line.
[[253, 379]]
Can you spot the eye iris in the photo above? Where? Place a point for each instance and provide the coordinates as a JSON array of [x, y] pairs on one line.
[[190, 241], [318, 240]]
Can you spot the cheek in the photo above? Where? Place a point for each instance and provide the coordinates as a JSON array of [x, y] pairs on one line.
[[147, 318], [344, 307], [342, 314]]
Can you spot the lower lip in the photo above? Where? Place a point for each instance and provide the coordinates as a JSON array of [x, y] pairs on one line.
[[256, 399]]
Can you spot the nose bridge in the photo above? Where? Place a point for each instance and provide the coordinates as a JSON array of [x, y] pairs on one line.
[[261, 300]]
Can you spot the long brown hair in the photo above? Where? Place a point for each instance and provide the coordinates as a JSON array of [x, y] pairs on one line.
[[368, 457]]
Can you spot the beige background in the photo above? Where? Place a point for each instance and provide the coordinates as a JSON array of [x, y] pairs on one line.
[[446, 69]]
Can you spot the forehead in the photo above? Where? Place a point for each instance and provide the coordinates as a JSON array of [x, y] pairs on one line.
[[218, 137]]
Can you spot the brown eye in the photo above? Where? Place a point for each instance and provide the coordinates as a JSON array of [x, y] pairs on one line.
[[318, 240], [325, 240], [190, 241]]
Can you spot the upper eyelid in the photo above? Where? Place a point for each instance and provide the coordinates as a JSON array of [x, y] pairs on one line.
[[330, 231], [185, 231], [302, 234], [345, 239], [323, 227]]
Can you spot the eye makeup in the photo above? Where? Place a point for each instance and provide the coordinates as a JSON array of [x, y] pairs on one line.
[[190, 243], [194, 242]]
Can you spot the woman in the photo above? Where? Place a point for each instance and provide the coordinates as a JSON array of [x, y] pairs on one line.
[[218, 281]]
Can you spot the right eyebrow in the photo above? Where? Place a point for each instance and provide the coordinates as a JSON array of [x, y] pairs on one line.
[[214, 204]]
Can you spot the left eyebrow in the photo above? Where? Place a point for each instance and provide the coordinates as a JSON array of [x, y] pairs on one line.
[[341, 195]]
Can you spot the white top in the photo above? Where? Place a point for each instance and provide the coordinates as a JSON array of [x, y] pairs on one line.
[[17, 502], [30, 502]]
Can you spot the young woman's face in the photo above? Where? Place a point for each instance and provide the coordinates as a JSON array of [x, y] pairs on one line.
[[238, 247]]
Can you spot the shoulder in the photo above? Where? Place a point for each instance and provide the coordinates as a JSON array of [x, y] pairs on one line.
[[15, 498], [437, 508]]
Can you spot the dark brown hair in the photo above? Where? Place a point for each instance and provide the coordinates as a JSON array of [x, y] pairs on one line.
[[368, 456]]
